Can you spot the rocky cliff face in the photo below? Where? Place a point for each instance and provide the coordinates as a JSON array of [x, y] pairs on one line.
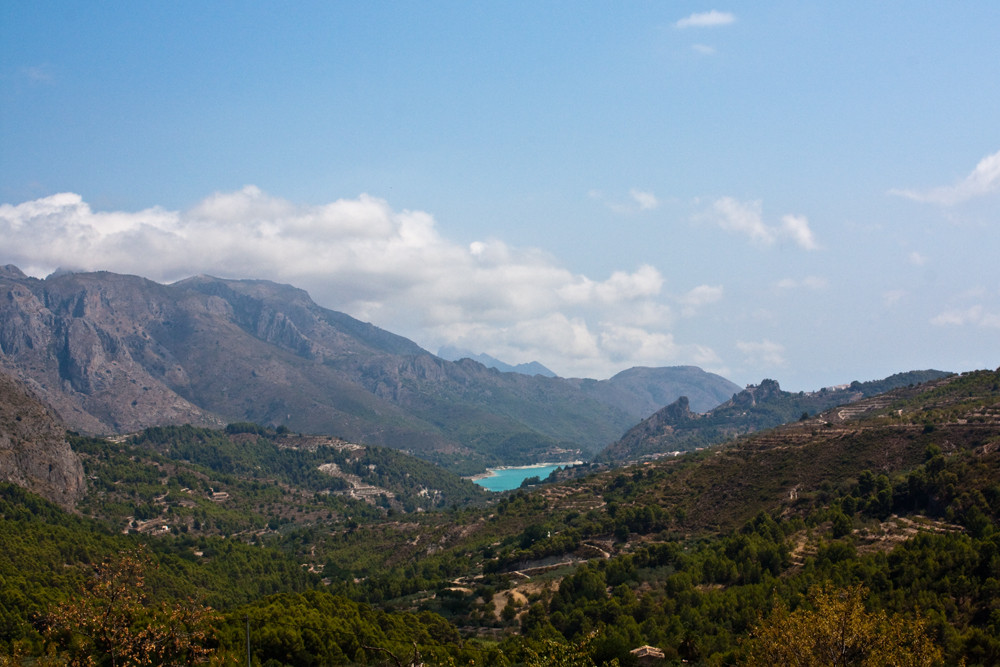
[[768, 391], [656, 433], [82, 343], [115, 354], [34, 453]]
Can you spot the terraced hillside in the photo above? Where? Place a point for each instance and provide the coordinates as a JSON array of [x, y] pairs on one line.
[[895, 499], [678, 428]]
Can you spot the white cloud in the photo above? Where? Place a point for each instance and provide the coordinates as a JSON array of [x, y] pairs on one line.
[[764, 353], [704, 49], [744, 218], [390, 267], [631, 346], [747, 218], [809, 282], [638, 201], [702, 295], [708, 19], [646, 201], [621, 286], [917, 259], [796, 227], [648, 314], [972, 316], [983, 180]]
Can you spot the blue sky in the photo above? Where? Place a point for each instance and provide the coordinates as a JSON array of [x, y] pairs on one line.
[[803, 191]]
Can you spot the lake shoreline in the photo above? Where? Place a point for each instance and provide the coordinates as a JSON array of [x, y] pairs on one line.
[[493, 473]]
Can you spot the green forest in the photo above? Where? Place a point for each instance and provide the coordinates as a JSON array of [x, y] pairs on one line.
[[193, 545]]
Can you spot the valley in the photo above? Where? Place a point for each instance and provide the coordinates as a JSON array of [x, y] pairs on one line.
[[693, 537], [599, 564], [114, 354], [499, 334]]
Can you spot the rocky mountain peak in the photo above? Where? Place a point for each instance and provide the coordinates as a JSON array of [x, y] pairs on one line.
[[679, 410], [115, 354], [767, 390], [11, 271]]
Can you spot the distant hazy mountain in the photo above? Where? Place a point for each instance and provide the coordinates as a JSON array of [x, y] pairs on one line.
[[531, 368], [114, 354], [645, 390], [677, 427]]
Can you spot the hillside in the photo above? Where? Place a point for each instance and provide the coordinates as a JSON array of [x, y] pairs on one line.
[[679, 427], [683, 552], [249, 481], [116, 354], [897, 493], [894, 496]]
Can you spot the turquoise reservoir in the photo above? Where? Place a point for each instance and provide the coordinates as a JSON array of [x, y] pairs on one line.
[[505, 479]]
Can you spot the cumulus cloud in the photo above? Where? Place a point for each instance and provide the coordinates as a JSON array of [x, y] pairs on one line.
[[975, 315], [983, 180], [710, 19], [747, 218], [382, 265], [621, 286], [646, 201], [796, 227], [744, 218], [700, 296], [762, 354]]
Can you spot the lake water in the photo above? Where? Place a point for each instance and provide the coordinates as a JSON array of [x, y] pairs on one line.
[[505, 479]]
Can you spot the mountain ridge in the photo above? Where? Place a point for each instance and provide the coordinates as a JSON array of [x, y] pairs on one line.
[[114, 354], [676, 428], [528, 368]]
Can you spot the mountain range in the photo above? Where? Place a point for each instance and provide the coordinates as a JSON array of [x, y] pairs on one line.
[[116, 353], [884, 490], [452, 353], [325, 552]]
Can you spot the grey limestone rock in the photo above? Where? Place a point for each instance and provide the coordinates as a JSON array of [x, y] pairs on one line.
[[34, 452]]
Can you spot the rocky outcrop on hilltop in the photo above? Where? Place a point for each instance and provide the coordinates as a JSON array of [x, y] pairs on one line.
[[655, 434], [34, 452], [768, 391], [676, 429]]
